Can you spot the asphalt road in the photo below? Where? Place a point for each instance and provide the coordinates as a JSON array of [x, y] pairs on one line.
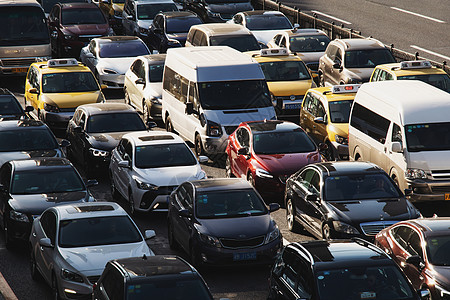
[[410, 25]]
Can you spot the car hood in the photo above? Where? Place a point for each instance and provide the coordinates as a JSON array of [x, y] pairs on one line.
[[360, 74], [118, 64], [442, 276], [181, 37], [71, 100], [105, 141], [286, 164], [310, 57], [35, 204], [430, 160], [170, 176], [355, 211], [266, 35], [154, 89], [92, 260], [288, 88], [144, 23], [230, 8], [236, 228], [338, 128], [82, 29], [7, 156]]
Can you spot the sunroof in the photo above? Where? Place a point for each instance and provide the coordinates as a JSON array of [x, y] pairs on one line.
[[155, 138], [80, 209]]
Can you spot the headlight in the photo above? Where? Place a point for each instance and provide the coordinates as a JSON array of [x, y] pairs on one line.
[[98, 152], [341, 140], [213, 129], [109, 71], [263, 173], [344, 227], [201, 175], [273, 235], [156, 100], [69, 37], [51, 108], [210, 240], [71, 276], [415, 174], [18, 216], [145, 185], [143, 30]]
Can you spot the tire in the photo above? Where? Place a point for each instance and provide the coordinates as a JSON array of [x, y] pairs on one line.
[[145, 113], [228, 171], [326, 232], [114, 191], [169, 125], [35, 275], [173, 244], [292, 224], [55, 290], [131, 204], [199, 151]]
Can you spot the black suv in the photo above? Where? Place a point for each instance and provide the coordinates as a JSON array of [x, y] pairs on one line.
[[339, 270], [10, 108], [153, 277]]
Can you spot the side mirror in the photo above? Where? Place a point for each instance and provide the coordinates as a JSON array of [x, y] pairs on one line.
[[148, 234], [184, 213], [274, 207], [296, 26], [64, 143], [91, 183], [151, 124], [203, 159], [396, 147], [408, 192], [140, 81], [46, 242], [33, 91], [319, 120], [424, 294], [312, 198], [189, 108], [129, 17], [103, 86], [29, 108], [336, 65], [124, 164], [323, 147], [416, 261], [77, 129], [243, 151], [89, 55]]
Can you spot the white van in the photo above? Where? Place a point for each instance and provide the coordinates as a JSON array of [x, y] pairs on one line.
[[209, 91], [404, 127]]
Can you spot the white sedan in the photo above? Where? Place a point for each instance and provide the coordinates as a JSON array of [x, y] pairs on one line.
[[110, 57]]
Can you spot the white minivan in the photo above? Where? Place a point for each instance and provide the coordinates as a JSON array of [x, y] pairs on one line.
[[404, 127], [209, 91]]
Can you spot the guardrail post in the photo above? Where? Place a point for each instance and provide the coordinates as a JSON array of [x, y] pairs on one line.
[[279, 5], [298, 16], [332, 30], [416, 55], [315, 18], [263, 4]]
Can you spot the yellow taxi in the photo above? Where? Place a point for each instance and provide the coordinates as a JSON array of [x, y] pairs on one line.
[[324, 116], [413, 70], [288, 79], [113, 9], [55, 88]]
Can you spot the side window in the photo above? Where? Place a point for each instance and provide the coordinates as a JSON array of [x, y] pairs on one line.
[[277, 39], [401, 235], [283, 42], [76, 117], [203, 40], [338, 56], [331, 51], [310, 180], [184, 89], [141, 71], [414, 245], [92, 47], [135, 68], [128, 151], [158, 21], [197, 36], [369, 123], [312, 105], [320, 111], [185, 196], [190, 36], [5, 175], [397, 134], [243, 137], [306, 102], [48, 223], [113, 284], [376, 75], [121, 147], [237, 19], [172, 83], [82, 121], [385, 76]]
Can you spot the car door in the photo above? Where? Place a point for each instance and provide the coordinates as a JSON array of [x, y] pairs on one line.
[[326, 63], [117, 172], [124, 174], [80, 139], [156, 32], [135, 90], [31, 82], [307, 113], [319, 131], [183, 226], [241, 161], [45, 255], [5, 181]]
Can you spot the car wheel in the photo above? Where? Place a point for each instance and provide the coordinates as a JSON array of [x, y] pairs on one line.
[[172, 242], [145, 112], [199, 151], [326, 232], [169, 125], [250, 179], [228, 171], [35, 275], [131, 204], [55, 288], [290, 216]]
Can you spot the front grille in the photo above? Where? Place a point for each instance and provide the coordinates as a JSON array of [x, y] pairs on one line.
[[17, 62], [440, 189], [372, 228], [70, 109], [230, 129], [245, 243], [93, 279], [288, 98], [313, 66], [441, 174]]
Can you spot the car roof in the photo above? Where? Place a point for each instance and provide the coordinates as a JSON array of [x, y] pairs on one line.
[[262, 12], [325, 92], [154, 59], [116, 38], [347, 167], [20, 124], [395, 69], [178, 14], [89, 210], [271, 125], [219, 184], [305, 31], [222, 29], [19, 3], [143, 138], [105, 108], [78, 5], [152, 266], [359, 44], [341, 253], [256, 55], [40, 163], [45, 69], [432, 226]]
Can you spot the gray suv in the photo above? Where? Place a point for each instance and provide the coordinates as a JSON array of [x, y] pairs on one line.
[[352, 60]]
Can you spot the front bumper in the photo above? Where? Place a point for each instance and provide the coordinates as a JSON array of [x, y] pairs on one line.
[[429, 190], [112, 81], [74, 290], [158, 200], [57, 120], [215, 145]]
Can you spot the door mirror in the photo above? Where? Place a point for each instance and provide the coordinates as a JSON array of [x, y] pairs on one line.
[[124, 164], [151, 124], [323, 147], [319, 120], [46, 242], [29, 108], [77, 129], [91, 183], [189, 108], [129, 17], [243, 151], [33, 91], [64, 143], [408, 192], [89, 55], [140, 81], [336, 65], [416, 261], [184, 213], [312, 198], [149, 234], [396, 147], [103, 86], [274, 207], [203, 159]]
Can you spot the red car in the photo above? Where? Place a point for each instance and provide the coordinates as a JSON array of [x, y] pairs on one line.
[[421, 247], [266, 153]]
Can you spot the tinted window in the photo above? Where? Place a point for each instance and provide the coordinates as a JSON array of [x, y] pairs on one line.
[[441, 81], [48, 223], [401, 235], [27, 140], [149, 11], [285, 71], [179, 25], [313, 43], [114, 122], [438, 249], [428, 137], [69, 82], [77, 16], [123, 49], [102, 231], [155, 72], [168, 288], [10, 106], [295, 141], [370, 123], [113, 283], [239, 42], [340, 111], [267, 22], [368, 58], [164, 155]]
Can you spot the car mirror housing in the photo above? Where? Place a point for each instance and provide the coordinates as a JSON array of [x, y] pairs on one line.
[[140, 81], [151, 124], [64, 143], [319, 120], [149, 234], [29, 108], [203, 159], [46, 242], [274, 207], [408, 192], [33, 91], [336, 65], [396, 147], [243, 151], [416, 261], [424, 294], [312, 198], [189, 108], [184, 213], [91, 183], [124, 164]]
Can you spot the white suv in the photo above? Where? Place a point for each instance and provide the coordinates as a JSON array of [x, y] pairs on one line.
[[147, 166]]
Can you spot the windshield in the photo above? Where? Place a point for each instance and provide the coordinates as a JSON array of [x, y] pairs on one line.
[[77, 16], [27, 139], [149, 11], [59, 180], [123, 49], [267, 22], [23, 25], [181, 25], [340, 111], [97, 231], [155, 72], [48, 4], [311, 43], [114, 122], [438, 250], [163, 287], [295, 141], [10, 106], [239, 42], [234, 94], [164, 155], [69, 82], [381, 283], [368, 58], [359, 187], [428, 137], [229, 204], [441, 81], [285, 71]]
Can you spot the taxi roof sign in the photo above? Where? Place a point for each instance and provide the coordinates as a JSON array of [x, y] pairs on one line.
[[345, 88], [62, 62], [274, 51], [415, 64]]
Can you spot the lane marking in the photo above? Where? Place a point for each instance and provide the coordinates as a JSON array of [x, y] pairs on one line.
[[418, 15], [430, 52], [6, 290], [331, 17]]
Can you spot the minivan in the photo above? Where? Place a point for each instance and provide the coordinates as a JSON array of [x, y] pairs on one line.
[[209, 91], [403, 127]]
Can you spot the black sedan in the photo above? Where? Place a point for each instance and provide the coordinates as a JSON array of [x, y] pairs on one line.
[[222, 222], [10, 107], [96, 129], [170, 29], [345, 199], [28, 187]]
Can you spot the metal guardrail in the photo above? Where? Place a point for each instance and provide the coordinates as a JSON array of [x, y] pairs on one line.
[[334, 31]]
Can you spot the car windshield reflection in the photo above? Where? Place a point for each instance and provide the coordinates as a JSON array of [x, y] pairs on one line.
[[295, 141], [114, 122], [27, 140], [166, 155], [46, 182]]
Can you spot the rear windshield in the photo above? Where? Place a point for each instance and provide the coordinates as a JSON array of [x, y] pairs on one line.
[[69, 82], [123, 49], [267, 22], [156, 72], [164, 155], [77, 16], [149, 11], [180, 25], [441, 81], [168, 287], [10, 106], [115, 122], [368, 58], [340, 111], [285, 71], [239, 42], [312, 43], [27, 140]]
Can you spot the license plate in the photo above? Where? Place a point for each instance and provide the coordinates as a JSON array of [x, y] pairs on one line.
[[447, 196], [293, 106], [244, 256], [19, 70]]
